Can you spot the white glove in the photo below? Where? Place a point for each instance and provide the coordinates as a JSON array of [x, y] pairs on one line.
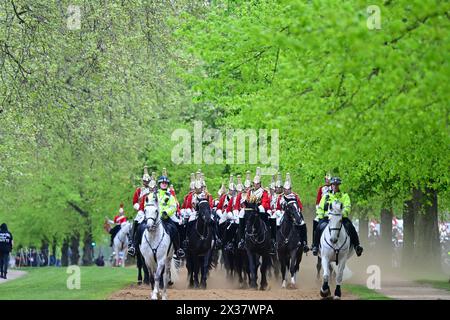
[[261, 209], [140, 216], [241, 213], [136, 206]]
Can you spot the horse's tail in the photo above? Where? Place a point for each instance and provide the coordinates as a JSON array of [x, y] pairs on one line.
[[175, 266]]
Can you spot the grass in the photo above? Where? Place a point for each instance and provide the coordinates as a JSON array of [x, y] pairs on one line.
[[364, 293], [50, 283], [438, 284]]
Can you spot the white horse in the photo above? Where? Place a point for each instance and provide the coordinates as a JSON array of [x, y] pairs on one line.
[[335, 250], [120, 244], [157, 251]]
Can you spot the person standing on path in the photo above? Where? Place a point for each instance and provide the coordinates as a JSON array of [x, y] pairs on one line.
[[6, 244]]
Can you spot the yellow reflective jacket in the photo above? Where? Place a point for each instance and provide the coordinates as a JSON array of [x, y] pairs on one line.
[[325, 204], [166, 202]]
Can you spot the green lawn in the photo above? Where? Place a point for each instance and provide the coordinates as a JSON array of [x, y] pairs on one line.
[[364, 293], [50, 283], [438, 284]]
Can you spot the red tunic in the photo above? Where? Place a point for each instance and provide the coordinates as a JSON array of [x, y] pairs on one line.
[[120, 219], [265, 200]]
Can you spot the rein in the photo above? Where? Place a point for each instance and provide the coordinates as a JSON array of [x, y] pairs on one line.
[[254, 236], [202, 236], [336, 250]]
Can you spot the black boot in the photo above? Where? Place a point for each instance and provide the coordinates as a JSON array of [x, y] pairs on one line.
[[354, 238], [132, 240], [303, 236], [241, 243], [316, 239], [273, 236]]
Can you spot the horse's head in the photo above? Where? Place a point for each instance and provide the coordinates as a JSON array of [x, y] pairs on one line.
[[152, 214], [335, 223], [204, 210], [293, 211]]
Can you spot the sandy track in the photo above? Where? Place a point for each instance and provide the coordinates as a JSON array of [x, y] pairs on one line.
[[221, 288]]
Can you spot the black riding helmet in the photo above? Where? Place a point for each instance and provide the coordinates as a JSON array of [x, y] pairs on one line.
[[336, 180]]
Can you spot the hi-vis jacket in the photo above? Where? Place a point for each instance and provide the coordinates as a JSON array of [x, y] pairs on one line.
[[326, 201]]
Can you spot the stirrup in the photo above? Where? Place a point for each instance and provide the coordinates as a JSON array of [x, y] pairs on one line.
[[131, 251], [180, 253], [315, 250]]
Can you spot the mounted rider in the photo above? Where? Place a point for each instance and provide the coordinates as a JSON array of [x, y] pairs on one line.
[[149, 185], [118, 221], [263, 202], [321, 192], [227, 204], [278, 194], [322, 215], [282, 202], [167, 207]]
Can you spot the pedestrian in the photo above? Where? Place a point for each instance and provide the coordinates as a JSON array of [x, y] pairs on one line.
[[6, 244]]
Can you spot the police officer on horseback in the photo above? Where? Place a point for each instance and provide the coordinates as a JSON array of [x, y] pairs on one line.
[[322, 215]]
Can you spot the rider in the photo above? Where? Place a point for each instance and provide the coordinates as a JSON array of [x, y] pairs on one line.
[[227, 203], [322, 215], [276, 198], [282, 201], [262, 199], [118, 220], [322, 192], [167, 206], [185, 211], [148, 186]]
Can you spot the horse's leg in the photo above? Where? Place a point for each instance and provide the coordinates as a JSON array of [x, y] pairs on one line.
[[339, 275], [156, 292], [166, 277], [282, 259], [325, 289], [264, 265], [196, 270], [318, 267], [205, 263], [252, 269], [292, 266]]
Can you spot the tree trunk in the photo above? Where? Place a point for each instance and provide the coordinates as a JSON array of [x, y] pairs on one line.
[[74, 247], [364, 228], [428, 248], [45, 252], [386, 235], [88, 251], [410, 211], [65, 253]]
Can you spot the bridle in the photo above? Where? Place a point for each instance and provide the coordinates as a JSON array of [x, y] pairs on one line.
[[336, 250], [205, 234], [291, 217], [254, 236]]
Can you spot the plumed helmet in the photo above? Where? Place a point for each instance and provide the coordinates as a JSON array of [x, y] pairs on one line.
[[231, 185], [192, 184], [146, 177], [198, 180], [121, 209], [272, 183], [239, 186], [287, 183], [257, 178], [247, 182], [279, 182], [222, 190], [152, 183]]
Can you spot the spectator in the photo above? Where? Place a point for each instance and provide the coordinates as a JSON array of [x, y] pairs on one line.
[[6, 244]]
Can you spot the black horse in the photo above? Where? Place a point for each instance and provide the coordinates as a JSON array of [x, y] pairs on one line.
[[241, 264], [200, 236], [257, 244], [140, 263], [228, 234], [289, 252]]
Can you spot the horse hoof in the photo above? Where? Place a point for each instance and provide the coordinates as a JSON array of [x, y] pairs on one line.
[[164, 297], [325, 294], [283, 285], [170, 283], [263, 287], [139, 282], [154, 297], [337, 298]]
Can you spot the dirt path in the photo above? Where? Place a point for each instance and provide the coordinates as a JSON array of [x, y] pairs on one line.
[[13, 274], [410, 290], [221, 288]]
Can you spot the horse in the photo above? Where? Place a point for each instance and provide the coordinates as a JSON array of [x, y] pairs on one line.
[[120, 244], [257, 245], [157, 250], [200, 236], [140, 262], [228, 231], [289, 253], [335, 250]]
